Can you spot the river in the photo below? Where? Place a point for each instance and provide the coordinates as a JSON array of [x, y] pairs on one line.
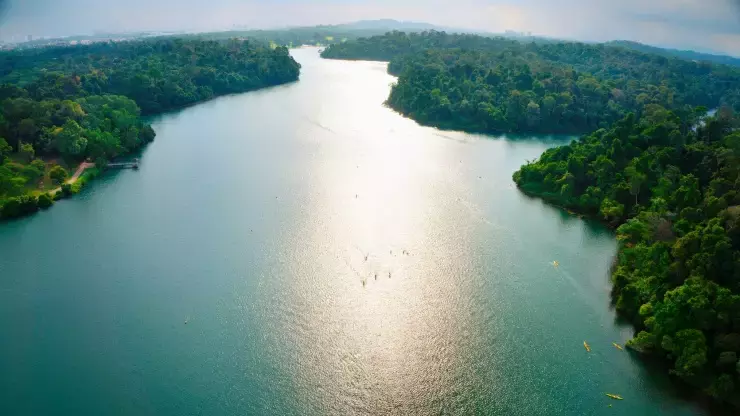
[[306, 250]]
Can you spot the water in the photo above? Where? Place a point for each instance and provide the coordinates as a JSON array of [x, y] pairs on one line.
[[235, 273]]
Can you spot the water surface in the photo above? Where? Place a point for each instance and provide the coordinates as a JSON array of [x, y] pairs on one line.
[[305, 250]]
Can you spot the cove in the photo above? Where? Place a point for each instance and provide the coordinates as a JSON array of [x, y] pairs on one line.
[[305, 250]]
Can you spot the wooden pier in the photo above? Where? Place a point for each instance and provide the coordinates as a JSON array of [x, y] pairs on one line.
[[124, 165]]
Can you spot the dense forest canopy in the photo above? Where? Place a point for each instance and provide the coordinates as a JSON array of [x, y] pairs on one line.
[[66, 104], [672, 190], [316, 35], [499, 85], [683, 54], [393, 44], [159, 74]]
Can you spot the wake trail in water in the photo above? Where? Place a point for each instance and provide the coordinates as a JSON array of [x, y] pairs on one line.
[[319, 125], [580, 292], [454, 139]]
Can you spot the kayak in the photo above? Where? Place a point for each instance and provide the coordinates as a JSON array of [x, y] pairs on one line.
[[617, 346], [614, 396], [588, 347]]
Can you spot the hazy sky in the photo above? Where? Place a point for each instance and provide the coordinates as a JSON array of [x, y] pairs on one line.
[[698, 24]]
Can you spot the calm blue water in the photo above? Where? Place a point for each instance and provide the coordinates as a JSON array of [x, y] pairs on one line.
[[305, 250]]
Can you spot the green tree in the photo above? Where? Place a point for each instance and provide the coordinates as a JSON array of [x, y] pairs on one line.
[[26, 152], [5, 149], [19, 206], [691, 351], [58, 174], [636, 178], [45, 201]]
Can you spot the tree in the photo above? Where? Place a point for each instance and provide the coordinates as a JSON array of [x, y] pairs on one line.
[[10, 184], [722, 387], [26, 152], [19, 206], [691, 351], [45, 201], [58, 174], [70, 141], [643, 342], [5, 149], [636, 179], [66, 190], [634, 231]]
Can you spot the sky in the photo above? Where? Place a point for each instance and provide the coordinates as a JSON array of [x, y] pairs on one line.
[[705, 25]]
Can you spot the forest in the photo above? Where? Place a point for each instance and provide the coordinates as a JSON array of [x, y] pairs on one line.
[[316, 35], [669, 185], [683, 54], [63, 105], [498, 85]]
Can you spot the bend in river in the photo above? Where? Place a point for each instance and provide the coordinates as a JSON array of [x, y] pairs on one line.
[[305, 250]]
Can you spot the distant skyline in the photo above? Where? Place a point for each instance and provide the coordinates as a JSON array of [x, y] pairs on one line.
[[704, 25]]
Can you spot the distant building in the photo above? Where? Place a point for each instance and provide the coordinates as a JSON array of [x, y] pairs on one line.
[[29, 38]]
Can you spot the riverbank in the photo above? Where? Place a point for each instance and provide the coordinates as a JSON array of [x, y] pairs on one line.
[[36, 200], [265, 256], [675, 278], [92, 108]]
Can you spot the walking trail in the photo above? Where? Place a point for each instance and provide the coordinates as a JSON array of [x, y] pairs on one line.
[[83, 166]]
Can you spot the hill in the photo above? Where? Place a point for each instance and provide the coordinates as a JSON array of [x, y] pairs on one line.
[[318, 35], [683, 54]]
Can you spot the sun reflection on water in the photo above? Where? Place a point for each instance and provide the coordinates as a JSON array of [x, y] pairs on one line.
[[379, 321]]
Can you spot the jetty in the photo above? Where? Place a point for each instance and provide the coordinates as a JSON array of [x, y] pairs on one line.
[[124, 165]]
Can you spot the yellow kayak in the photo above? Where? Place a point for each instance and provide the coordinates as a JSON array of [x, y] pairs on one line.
[[617, 346], [614, 396], [555, 264], [588, 347]]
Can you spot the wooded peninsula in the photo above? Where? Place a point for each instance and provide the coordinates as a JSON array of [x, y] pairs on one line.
[[63, 105], [497, 85], [672, 191]]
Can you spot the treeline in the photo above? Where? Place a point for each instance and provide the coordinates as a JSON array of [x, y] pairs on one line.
[[59, 106], [393, 44], [498, 85], [671, 185], [683, 54], [160, 75]]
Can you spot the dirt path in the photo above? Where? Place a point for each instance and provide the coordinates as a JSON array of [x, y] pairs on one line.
[[83, 166], [78, 172]]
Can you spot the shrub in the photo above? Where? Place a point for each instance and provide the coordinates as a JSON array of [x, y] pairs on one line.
[[19, 206], [66, 190], [45, 201]]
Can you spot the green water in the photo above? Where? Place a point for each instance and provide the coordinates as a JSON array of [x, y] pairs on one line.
[[226, 275]]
